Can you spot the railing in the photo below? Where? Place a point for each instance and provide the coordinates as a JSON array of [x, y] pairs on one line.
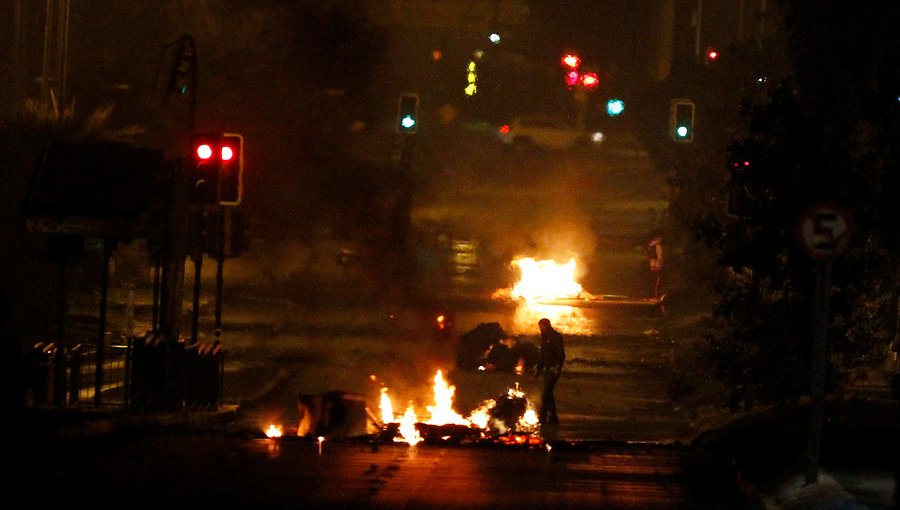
[[145, 374]]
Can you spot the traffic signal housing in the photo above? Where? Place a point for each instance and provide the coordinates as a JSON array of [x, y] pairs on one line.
[[184, 66], [231, 174], [681, 120], [408, 113], [203, 173], [215, 175]]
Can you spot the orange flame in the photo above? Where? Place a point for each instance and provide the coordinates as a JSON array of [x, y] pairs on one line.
[[274, 430], [387, 409], [408, 427], [442, 412], [545, 279]]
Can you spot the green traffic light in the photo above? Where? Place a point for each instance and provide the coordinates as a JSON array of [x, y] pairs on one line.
[[615, 107]]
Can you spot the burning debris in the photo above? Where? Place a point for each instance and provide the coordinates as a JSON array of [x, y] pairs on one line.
[[508, 413]]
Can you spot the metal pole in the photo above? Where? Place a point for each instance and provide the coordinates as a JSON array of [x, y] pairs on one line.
[[101, 336], [195, 312], [59, 374], [220, 270], [817, 392]]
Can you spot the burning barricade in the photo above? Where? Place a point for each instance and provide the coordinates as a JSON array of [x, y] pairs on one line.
[[508, 413], [341, 415]]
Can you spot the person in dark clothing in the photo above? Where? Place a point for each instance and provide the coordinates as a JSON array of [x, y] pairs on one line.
[[550, 364]]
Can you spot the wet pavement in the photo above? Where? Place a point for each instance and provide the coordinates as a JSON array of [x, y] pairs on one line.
[[205, 462]]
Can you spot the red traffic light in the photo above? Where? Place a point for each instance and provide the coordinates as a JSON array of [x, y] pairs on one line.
[[227, 153], [204, 151], [571, 61], [590, 80], [711, 55]]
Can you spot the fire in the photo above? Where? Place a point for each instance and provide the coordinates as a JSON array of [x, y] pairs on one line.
[[387, 409], [408, 427], [442, 412], [274, 430], [540, 283], [545, 279]]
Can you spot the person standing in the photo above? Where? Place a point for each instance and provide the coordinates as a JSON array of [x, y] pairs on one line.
[[550, 364]]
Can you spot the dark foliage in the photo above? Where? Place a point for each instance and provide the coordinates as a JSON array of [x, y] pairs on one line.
[[826, 133]]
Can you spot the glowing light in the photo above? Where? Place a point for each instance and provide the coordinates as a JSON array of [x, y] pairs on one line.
[[472, 79], [227, 153], [572, 78], [504, 128], [681, 131], [615, 107], [274, 430], [590, 80], [545, 279], [204, 151], [386, 407], [442, 411], [571, 61], [408, 121], [408, 430], [494, 38]]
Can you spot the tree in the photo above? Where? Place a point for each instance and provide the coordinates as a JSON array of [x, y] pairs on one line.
[[826, 133]]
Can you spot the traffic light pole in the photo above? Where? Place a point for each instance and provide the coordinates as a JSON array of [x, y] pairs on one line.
[[197, 259], [220, 270]]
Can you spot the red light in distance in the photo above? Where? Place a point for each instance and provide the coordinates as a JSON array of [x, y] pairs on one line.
[[572, 78], [227, 153], [590, 80], [504, 128], [571, 61], [204, 151]]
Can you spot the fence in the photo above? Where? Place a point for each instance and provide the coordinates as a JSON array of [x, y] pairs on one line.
[[144, 374]]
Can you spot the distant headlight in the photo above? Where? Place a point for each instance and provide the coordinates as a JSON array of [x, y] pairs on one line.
[[597, 137]]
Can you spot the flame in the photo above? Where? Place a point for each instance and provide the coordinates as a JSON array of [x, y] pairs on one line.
[[387, 409], [442, 412], [545, 279], [274, 430], [408, 427]]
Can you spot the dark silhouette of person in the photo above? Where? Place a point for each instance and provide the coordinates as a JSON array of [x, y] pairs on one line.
[[550, 364]]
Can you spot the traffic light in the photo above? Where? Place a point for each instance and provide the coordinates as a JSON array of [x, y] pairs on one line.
[[615, 107], [408, 113], [184, 66], [681, 120], [570, 60], [590, 81], [231, 174], [217, 166], [712, 55], [203, 173]]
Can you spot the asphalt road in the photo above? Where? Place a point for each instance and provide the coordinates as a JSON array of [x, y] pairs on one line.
[[145, 468]]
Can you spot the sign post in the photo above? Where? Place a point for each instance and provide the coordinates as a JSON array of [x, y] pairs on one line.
[[823, 230]]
